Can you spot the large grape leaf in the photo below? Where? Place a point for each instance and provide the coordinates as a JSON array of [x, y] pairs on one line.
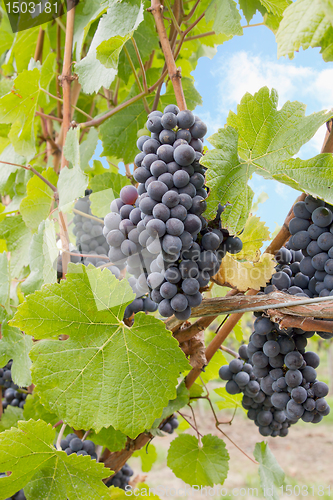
[[226, 17], [43, 253], [115, 375], [120, 20], [4, 281], [35, 465], [36, 206], [201, 465], [16, 346], [305, 24], [271, 474], [259, 138], [18, 237]]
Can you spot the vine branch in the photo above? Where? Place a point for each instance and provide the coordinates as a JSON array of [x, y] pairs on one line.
[[174, 74]]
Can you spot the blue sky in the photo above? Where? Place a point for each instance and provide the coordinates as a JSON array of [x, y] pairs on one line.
[[247, 63]]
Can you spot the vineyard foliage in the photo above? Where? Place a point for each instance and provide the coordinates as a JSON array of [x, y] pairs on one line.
[[78, 361]]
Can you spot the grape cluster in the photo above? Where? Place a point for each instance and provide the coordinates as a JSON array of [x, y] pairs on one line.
[[278, 379], [170, 425], [158, 230], [312, 234], [10, 391], [121, 478], [72, 444]]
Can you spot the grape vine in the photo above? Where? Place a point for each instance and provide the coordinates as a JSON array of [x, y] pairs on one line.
[[114, 274]]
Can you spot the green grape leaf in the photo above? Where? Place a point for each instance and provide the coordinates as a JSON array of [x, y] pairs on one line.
[[212, 369], [36, 206], [258, 139], [271, 474], [9, 155], [304, 24], [34, 409], [18, 237], [225, 16], [116, 371], [38, 467], [250, 7], [10, 417], [5, 281], [110, 438], [43, 253], [227, 400], [121, 19], [198, 464], [254, 234], [148, 456], [72, 184], [106, 187], [72, 147], [16, 345], [85, 14]]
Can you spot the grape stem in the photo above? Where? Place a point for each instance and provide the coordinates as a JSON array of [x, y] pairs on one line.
[[143, 71], [83, 214], [174, 74], [66, 81], [60, 436]]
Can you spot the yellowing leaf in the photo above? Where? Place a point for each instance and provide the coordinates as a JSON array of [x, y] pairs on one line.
[[253, 236], [245, 275]]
